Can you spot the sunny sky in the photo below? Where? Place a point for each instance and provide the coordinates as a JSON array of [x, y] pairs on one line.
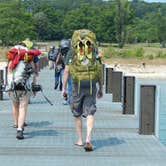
[[163, 1], [155, 1]]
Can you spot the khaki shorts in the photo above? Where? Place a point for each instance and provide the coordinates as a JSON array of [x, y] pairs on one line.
[[83, 103], [18, 96]]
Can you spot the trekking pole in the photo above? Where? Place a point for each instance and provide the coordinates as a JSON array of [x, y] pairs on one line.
[[46, 97], [37, 88]]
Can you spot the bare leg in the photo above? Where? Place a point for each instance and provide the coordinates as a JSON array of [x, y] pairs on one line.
[[22, 112], [78, 124], [15, 112], [90, 124]]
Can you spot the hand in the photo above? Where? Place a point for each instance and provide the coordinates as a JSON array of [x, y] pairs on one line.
[[100, 93], [64, 94]]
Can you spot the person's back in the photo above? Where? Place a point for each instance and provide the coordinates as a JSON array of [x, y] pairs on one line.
[[84, 66]]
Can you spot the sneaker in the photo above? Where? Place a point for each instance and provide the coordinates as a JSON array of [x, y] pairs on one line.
[[65, 102], [88, 147], [20, 134]]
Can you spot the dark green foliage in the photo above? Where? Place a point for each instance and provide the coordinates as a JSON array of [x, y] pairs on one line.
[[16, 24], [42, 20]]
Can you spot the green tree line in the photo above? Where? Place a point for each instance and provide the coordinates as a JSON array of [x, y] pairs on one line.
[[117, 21]]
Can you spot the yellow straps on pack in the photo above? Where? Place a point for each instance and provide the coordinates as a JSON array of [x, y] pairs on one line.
[[26, 57]]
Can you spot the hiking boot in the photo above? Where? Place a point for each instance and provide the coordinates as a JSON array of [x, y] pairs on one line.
[[20, 134], [88, 147]]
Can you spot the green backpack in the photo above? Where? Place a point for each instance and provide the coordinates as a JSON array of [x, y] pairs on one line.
[[85, 64]]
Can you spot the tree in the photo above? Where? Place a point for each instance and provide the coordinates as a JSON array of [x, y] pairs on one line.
[[41, 26], [55, 19], [15, 24], [76, 19], [122, 16], [161, 28]]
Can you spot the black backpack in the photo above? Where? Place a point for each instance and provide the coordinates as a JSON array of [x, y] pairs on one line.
[[52, 54]]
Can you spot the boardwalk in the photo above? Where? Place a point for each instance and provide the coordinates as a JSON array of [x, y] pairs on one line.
[[50, 135]]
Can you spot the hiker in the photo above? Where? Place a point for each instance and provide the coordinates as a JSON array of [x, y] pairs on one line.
[[19, 87], [84, 65], [52, 54], [64, 46]]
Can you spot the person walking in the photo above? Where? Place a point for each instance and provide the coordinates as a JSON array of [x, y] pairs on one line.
[[64, 46], [19, 88], [84, 65], [52, 55]]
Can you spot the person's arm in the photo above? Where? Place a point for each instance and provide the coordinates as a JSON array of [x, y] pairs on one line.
[[65, 78], [100, 90], [66, 73], [58, 58]]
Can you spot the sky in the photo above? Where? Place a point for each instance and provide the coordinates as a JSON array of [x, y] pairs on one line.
[[155, 1], [163, 1]]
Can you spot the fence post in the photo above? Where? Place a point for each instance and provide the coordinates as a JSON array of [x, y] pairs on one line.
[[108, 88], [147, 109], [103, 72], [1, 84], [117, 86], [6, 70], [128, 94]]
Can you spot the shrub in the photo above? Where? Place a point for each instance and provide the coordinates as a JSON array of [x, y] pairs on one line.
[[160, 54], [139, 52], [109, 52]]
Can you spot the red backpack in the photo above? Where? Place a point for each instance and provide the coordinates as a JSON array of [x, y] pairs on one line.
[[16, 54]]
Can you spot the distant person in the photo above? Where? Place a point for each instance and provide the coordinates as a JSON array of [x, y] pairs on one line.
[[64, 46], [52, 55], [84, 65]]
